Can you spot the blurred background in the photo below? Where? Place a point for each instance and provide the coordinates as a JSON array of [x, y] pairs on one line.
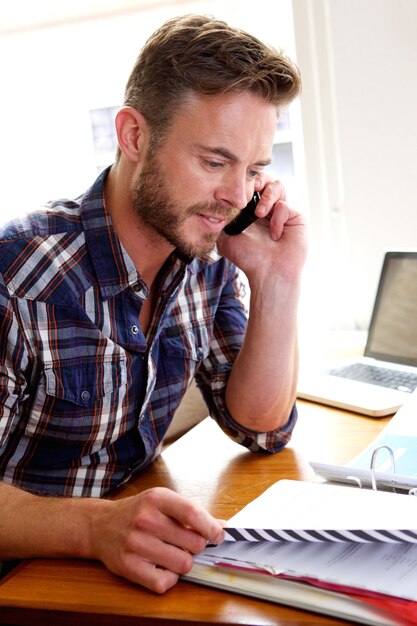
[[346, 149]]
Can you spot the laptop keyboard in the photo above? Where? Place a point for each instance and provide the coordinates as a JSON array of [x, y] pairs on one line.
[[402, 381]]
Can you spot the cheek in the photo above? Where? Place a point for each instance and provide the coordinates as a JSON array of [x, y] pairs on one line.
[[188, 184]]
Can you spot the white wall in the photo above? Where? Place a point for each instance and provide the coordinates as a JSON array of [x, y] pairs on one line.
[[51, 77], [359, 107]]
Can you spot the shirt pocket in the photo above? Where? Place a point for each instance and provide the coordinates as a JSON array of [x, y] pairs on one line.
[[188, 341], [80, 399]]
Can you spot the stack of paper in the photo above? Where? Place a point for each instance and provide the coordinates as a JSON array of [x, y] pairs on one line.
[[333, 549]]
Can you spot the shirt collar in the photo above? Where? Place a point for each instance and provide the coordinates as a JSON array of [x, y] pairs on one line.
[[198, 264], [114, 268]]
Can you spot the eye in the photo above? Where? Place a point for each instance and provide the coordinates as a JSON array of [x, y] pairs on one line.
[[214, 164]]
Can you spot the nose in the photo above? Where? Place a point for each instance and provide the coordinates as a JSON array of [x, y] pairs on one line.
[[235, 192]]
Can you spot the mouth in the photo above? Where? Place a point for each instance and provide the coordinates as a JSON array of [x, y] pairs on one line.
[[212, 223]]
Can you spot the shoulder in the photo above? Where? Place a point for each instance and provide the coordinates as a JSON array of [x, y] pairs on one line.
[[38, 246], [52, 218]]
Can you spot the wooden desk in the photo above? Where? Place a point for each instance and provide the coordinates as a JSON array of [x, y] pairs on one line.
[[206, 466]]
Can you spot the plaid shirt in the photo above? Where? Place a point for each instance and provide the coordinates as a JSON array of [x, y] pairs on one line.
[[85, 398]]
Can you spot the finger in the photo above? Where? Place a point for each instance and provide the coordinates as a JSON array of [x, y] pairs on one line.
[[190, 540], [272, 193], [189, 514], [223, 522], [161, 554], [278, 220], [154, 578], [172, 532]]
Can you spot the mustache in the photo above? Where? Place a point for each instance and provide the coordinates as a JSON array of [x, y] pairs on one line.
[[215, 210]]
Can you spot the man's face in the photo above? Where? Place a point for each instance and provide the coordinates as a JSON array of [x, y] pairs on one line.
[[159, 211], [205, 171]]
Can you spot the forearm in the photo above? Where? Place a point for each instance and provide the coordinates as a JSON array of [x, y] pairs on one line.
[[45, 526], [262, 386], [148, 538]]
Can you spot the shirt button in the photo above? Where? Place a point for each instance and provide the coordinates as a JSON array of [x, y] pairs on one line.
[[85, 396], [134, 329]]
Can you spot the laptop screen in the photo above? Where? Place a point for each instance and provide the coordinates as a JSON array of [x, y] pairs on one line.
[[393, 330]]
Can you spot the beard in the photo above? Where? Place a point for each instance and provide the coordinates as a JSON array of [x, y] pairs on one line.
[[155, 209]]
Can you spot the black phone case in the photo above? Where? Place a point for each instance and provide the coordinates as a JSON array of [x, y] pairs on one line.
[[245, 218]]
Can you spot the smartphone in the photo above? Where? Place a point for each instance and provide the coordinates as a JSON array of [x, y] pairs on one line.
[[245, 218]]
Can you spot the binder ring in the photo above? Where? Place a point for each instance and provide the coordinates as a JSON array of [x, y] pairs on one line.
[[373, 461], [355, 480]]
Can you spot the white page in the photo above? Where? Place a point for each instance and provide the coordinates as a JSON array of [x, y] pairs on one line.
[[295, 504]]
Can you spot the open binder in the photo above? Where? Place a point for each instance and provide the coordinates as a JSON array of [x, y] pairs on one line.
[[336, 549], [389, 462], [326, 548]]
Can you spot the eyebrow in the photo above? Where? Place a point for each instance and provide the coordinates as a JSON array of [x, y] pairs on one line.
[[225, 153]]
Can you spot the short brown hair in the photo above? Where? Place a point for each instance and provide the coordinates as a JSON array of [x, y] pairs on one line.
[[195, 53]]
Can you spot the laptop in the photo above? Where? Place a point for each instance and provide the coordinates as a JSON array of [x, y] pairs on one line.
[[380, 381]]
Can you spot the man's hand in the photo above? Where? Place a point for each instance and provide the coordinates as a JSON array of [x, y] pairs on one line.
[[275, 244], [150, 538]]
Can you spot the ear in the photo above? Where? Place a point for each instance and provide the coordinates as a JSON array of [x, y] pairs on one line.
[[132, 133]]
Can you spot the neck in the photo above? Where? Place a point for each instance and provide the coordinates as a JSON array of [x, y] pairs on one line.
[[146, 248]]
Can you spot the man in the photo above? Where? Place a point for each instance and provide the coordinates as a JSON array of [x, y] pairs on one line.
[[112, 303]]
